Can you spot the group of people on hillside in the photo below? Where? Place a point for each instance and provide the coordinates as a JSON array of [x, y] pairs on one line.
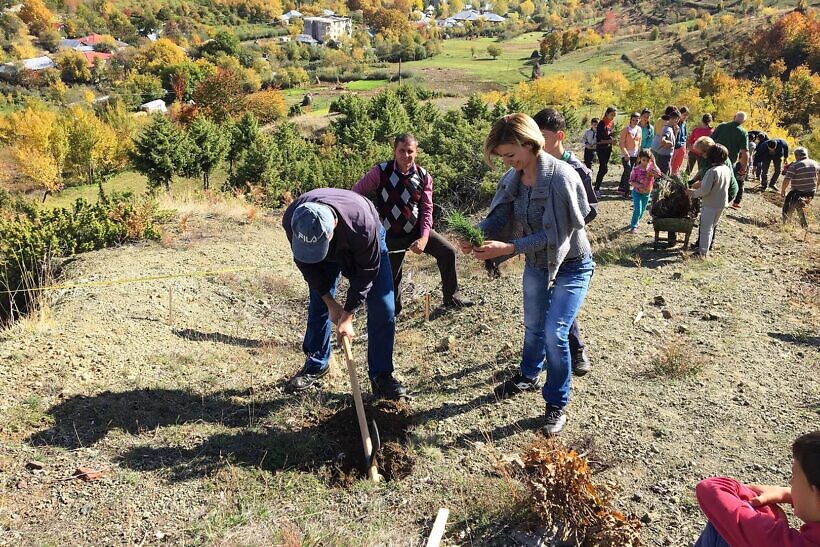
[[721, 154], [540, 209]]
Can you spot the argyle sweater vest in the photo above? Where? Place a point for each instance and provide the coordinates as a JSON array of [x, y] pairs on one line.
[[397, 198]]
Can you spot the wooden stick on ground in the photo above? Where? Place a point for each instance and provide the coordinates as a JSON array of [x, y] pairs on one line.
[[427, 307], [367, 443], [438, 527]]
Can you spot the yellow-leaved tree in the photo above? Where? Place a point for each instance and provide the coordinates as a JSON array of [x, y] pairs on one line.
[[606, 86], [557, 89], [158, 55], [39, 144], [37, 16]]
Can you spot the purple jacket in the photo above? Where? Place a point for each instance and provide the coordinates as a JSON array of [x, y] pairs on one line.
[[355, 243]]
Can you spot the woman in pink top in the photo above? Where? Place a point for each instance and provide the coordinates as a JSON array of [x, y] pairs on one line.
[[748, 515], [704, 130], [642, 179]]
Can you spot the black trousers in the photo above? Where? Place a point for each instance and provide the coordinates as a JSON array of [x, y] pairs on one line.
[[740, 183], [628, 165], [792, 202], [576, 343], [603, 166], [589, 157], [765, 177], [437, 247]]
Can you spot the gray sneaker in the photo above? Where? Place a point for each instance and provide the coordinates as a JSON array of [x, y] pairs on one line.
[[556, 420]]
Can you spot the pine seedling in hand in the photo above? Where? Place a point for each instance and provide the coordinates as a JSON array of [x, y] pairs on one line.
[[465, 229]]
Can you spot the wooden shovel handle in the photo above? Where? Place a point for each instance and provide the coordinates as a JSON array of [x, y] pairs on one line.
[[367, 444]]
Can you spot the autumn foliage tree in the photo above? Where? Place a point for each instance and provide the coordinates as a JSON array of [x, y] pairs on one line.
[[219, 96], [39, 144], [37, 16], [795, 38]]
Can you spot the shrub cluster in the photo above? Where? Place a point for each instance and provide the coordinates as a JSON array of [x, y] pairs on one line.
[[32, 236]]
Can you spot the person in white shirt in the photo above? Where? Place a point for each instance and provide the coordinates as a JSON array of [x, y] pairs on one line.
[[714, 194]]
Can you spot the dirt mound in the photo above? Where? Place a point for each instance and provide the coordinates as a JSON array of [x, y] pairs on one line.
[[341, 430]]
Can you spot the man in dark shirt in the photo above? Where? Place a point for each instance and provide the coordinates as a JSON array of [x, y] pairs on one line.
[[335, 232], [772, 151], [552, 125]]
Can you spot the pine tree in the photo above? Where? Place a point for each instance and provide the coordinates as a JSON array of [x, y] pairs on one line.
[[160, 152], [475, 108], [256, 166], [242, 134], [209, 146]]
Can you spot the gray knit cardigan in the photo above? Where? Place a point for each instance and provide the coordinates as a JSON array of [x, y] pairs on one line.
[[560, 185]]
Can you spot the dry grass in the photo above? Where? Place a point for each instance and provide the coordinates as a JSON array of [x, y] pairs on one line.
[[676, 360], [210, 204]]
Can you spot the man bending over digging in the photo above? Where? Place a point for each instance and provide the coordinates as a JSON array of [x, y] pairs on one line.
[[335, 232]]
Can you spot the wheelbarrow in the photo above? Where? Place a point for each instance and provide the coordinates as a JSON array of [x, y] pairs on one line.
[[370, 442], [673, 226]]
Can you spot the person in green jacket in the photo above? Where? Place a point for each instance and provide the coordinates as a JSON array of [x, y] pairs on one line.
[[736, 140]]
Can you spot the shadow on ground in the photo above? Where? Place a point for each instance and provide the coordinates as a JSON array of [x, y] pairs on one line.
[[199, 336], [328, 442], [799, 338]]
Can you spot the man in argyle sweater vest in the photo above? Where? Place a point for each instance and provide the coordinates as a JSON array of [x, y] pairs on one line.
[[404, 200]]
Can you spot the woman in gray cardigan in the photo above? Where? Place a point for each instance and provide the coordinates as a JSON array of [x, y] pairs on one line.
[[538, 210]]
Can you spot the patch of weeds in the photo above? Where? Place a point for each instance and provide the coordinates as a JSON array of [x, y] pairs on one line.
[[30, 413], [490, 508], [619, 254], [676, 360], [242, 501]]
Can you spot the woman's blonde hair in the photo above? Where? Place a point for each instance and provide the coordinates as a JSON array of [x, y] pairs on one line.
[[703, 144], [513, 129]]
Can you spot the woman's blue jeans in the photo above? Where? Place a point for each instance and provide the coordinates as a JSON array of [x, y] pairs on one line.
[[548, 314], [381, 320]]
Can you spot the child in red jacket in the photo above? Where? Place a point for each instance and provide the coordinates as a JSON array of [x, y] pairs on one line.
[[748, 515]]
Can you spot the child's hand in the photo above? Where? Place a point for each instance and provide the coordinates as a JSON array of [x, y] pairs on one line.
[[770, 494]]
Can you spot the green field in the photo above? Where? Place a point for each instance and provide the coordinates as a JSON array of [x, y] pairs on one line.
[[365, 85], [456, 62], [128, 181]]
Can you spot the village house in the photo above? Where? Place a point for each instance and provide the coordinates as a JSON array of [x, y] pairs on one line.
[[324, 29]]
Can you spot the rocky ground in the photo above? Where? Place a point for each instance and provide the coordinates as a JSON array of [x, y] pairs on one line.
[[173, 391]]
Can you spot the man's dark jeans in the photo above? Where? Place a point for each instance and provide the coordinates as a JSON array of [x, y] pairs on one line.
[[437, 247], [766, 164], [792, 202]]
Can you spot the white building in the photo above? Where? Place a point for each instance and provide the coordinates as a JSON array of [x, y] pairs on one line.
[[474, 15], [156, 106], [324, 29]]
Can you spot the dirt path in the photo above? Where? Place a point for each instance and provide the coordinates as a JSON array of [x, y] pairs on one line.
[[183, 408]]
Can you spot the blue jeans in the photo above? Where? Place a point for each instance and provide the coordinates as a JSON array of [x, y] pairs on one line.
[[548, 314], [381, 320], [710, 538], [639, 202]]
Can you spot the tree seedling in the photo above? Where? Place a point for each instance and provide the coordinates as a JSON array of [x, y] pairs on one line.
[[465, 229]]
